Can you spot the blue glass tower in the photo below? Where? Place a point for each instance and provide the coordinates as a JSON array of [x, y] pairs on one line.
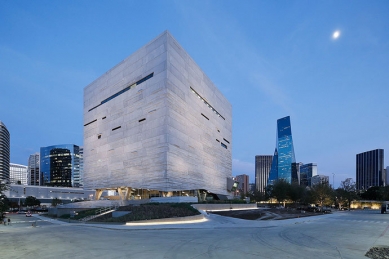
[[284, 153], [60, 165]]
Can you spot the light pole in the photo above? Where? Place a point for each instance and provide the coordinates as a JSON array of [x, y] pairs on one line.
[[333, 181]]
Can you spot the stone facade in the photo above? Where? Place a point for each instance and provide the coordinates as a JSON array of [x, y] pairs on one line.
[[156, 121]]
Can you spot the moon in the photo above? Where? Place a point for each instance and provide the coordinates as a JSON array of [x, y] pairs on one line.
[[336, 35]]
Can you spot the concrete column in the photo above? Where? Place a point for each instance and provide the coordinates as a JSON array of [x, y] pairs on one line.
[[98, 194]]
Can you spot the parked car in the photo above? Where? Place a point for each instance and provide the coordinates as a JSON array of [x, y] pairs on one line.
[[326, 210], [28, 214], [385, 207]]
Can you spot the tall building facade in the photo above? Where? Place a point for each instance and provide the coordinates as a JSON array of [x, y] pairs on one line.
[[243, 186], [296, 176], [81, 171], [262, 171], [307, 171], [18, 174], [370, 169], [284, 155], [59, 165], [4, 153], [387, 176], [34, 176], [156, 122], [320, 179]]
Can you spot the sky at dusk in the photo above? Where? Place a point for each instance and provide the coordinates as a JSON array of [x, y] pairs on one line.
[[270, 59]]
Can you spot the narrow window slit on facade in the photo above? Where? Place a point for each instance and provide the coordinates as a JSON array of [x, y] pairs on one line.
[[226, 140], [90, 122], [116, 128], [142, 120], [205, 116], [124, 90], [223, 145], [99, 136], [209, 106], [104, 117], [217, 140]]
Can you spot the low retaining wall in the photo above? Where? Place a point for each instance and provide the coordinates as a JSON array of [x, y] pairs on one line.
[[174, 199], [178, 219], [62, 211], [117, 214], [210, 207]]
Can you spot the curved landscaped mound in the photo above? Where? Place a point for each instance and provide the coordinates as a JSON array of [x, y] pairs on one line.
[[150, 211]]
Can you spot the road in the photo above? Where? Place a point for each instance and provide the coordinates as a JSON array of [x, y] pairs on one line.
[[337, 235]]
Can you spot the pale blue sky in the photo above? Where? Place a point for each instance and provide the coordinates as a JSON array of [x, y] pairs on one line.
[[269, 58]]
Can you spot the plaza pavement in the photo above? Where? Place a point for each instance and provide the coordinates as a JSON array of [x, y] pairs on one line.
[[337, 235]]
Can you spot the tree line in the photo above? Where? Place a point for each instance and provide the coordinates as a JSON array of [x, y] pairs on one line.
[[319, 194]]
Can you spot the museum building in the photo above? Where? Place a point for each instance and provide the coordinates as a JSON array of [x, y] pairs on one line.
[[156, 126]]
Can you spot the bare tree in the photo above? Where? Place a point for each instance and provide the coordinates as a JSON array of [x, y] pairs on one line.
[[348, 191]]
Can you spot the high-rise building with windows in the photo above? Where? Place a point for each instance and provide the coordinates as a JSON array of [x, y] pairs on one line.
[[296, 177], [320, 179], [262, 171], [243, 186], [370, 169], [387, 176], [307, 171], [81, 173], [4, 153], [18, 174], [60, 165], [34, 176], [284, 155], [156, 122]]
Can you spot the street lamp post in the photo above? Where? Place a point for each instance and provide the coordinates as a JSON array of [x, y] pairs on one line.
[[333, 181]]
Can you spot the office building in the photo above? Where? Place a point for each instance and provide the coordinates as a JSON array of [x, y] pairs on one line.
[[59, 165], [387, 176], [4, 153], [370, 169], [81, 173], [243, 181], [284, 153], [156, 122], [320, 179], [262, 170], [307, 171], [34, 176], [296, 172], [18, 174]]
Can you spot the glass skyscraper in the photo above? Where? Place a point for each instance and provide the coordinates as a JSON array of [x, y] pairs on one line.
[[284, 153], [307, 171], [60, 165]]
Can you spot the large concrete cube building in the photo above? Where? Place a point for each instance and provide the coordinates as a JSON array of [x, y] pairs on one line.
[[155, 122]]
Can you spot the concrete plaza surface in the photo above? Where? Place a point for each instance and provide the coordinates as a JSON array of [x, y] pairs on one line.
[[337, 235]]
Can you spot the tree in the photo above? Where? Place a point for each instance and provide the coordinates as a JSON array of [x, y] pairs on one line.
[[384, 192], [296, 192], [55, 202], [4, 202], [281, 190], [32, 201], [322, 194], [257, 196], [373, 193], [347, 191]]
